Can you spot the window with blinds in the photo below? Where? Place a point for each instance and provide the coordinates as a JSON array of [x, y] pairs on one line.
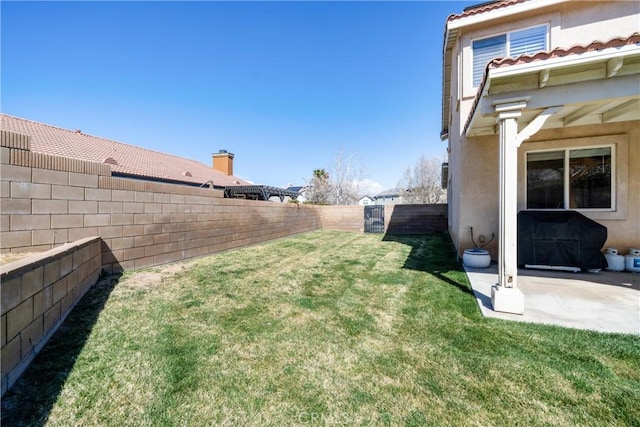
[[513, 44], [484, 51]]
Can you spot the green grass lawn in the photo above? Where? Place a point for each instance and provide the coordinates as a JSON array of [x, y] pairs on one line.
[[325, 328]]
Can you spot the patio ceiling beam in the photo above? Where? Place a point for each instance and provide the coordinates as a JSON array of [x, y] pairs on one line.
[[629, 107], [580, 114]]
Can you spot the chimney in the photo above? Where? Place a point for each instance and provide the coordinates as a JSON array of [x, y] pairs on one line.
[[223, 162]]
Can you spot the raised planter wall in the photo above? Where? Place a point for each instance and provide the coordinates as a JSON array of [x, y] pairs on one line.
[[38, 292]]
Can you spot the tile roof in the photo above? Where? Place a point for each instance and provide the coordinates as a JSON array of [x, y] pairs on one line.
[[561, 52], [124, 159], [484, 7]]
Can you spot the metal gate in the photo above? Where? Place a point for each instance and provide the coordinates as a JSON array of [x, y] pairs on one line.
[[374, 219]]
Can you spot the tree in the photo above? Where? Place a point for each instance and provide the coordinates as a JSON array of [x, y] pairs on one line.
[[422, 184], [319, 188], [346, 175], [341, 186]]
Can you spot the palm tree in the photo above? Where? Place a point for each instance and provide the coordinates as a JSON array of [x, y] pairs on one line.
[[321, 174], [320, 188]]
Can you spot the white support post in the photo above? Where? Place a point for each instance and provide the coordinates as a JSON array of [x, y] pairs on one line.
[[505, 295]]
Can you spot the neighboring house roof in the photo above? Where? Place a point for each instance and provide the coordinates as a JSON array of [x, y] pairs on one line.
[[394, 192], [124, 159], [580, 53]]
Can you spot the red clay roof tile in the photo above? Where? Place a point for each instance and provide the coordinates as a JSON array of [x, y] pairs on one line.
[[484, 7], [561, 52], [122, 158]]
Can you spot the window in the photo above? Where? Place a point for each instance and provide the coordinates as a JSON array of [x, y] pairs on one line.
[[545, 180], [444, 176], [512, 44], [570, 179]]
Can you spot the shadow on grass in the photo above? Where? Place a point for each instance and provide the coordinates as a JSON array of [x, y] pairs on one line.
[[30, 400], [432, 253]]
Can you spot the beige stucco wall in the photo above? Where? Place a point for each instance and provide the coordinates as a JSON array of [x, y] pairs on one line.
[[597, 20], [477, 193], [473, 164], [477, 204]]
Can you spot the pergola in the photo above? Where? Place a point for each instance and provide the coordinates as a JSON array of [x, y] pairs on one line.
[[583, 85], [258, 192]]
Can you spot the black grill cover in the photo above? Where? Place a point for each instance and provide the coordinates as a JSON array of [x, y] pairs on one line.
[[563, 238]]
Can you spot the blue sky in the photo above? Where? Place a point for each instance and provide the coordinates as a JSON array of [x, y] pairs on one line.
[[283, 85]]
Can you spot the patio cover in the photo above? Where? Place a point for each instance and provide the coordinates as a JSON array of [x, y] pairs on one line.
[[592, 84], [582, 85]]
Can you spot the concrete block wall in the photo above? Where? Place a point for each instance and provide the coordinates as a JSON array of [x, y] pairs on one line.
[[398, 219], [416, 219], [144, 224], [38, 292], [46, 201], [343, 218]]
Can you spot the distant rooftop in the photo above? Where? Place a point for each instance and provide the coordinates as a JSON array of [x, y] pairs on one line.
[[394, 192], [124, 159]]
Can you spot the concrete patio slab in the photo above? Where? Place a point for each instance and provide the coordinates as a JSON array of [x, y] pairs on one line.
[[606, 301]]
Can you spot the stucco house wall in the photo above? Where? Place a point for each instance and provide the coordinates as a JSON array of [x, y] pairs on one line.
[[474, 162], [477, 199]]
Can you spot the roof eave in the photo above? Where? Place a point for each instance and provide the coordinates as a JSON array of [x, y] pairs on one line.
[[508, 10]]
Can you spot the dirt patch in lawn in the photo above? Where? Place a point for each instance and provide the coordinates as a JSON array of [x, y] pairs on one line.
[[145, 278]]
